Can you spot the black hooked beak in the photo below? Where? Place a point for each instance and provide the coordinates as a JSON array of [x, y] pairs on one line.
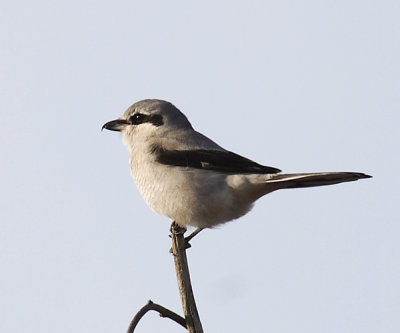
[[115, 125]]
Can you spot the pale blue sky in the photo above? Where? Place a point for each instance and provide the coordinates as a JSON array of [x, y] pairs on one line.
[[299, 85]]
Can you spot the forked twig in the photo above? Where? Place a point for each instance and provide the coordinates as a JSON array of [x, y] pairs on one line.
[[192, 320], [164, 312]]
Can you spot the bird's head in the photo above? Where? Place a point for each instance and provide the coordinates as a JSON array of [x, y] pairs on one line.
[[149, 119]]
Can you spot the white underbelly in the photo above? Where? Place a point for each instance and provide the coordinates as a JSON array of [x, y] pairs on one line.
[[188, 196]]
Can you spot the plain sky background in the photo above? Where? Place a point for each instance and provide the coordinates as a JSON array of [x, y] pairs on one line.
[[299, 85]]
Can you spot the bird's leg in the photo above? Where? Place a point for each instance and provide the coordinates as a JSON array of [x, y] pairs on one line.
[[189, 238]]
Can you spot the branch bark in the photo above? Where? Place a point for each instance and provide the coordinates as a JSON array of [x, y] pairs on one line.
[[192, 320], [179, 246], [164, 312]]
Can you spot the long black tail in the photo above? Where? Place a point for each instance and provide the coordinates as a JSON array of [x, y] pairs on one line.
[[299, 180]]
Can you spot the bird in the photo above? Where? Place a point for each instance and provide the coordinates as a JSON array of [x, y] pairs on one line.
[[184, 175]]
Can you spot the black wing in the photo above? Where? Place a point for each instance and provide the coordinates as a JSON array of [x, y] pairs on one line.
[[223, 161]]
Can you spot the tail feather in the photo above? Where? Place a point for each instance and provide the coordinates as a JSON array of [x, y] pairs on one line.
[[299, 180]]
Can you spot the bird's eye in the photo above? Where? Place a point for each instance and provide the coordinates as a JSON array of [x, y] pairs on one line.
[[137, 118]]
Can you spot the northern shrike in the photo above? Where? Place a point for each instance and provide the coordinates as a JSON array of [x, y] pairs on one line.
[[186, 176]]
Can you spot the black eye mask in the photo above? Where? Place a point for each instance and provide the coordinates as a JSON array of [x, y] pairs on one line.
[[140, 118]]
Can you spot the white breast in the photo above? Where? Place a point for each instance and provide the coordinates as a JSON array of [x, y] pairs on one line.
[[188, 196]]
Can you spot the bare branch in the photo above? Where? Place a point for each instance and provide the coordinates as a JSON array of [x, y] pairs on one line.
[[179, 246], [164, 312], [190, 237], [192, 320]]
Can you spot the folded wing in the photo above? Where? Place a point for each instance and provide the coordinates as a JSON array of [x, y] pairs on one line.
[[216, 160]]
